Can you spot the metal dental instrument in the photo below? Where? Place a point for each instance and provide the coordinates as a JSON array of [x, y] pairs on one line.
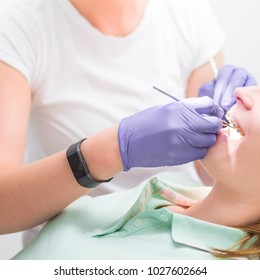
[[172, 96], [225, 124], [215, 72], [167, 94], [228, 124]]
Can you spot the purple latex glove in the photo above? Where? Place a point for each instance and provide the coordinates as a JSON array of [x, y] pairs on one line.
[[221, 90], [168, 135]]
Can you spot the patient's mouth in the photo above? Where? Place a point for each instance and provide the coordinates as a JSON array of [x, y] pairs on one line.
[[231, 128]]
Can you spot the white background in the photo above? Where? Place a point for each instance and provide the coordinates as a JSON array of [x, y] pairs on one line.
[[241, 23]]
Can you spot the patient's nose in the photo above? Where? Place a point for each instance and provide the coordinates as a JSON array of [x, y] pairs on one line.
[[246, 96]]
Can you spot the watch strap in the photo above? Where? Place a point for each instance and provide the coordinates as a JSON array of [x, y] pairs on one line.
[[79, 167]]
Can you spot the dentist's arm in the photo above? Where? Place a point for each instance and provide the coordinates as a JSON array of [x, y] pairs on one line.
[[202, 75], [31, 194]]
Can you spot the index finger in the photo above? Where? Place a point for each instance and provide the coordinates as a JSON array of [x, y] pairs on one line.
[[204, 106]]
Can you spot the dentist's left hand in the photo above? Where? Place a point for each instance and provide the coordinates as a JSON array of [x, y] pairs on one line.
[[169, 135], [221, 90]]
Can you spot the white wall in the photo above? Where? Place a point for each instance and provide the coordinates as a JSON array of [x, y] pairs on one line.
[[241, 23], [7, 3]]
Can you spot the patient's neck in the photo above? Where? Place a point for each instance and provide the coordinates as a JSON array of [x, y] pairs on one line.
[[226, 207]]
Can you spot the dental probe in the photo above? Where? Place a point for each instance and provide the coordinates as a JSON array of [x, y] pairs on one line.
[[171, 96], [224, 123], [215, 72], [178, 99], [167, 94]]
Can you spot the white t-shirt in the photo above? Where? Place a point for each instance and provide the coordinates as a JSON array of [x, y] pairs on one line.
[[83, 81]]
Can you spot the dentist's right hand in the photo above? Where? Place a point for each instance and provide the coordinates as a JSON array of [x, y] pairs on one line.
[[171, 134]]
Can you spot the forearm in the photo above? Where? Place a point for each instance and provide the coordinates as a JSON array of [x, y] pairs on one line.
[[102, 155], [34, 193]]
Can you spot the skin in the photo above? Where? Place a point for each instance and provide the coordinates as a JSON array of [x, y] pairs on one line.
[[31, 194]]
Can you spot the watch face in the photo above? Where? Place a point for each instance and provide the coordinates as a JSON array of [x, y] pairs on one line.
[[79, 167]]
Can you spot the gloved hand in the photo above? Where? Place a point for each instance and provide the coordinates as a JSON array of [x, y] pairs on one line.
[[168, 135], [221, 90]]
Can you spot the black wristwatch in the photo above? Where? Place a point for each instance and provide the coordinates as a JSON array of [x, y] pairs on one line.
[[79, 167]]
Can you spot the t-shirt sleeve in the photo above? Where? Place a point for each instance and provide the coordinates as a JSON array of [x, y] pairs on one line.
[[207, 37], [18, 42]]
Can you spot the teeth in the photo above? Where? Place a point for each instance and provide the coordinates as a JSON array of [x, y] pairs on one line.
[[233, 130]]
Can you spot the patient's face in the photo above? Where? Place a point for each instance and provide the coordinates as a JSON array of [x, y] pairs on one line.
[[238, 160]]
